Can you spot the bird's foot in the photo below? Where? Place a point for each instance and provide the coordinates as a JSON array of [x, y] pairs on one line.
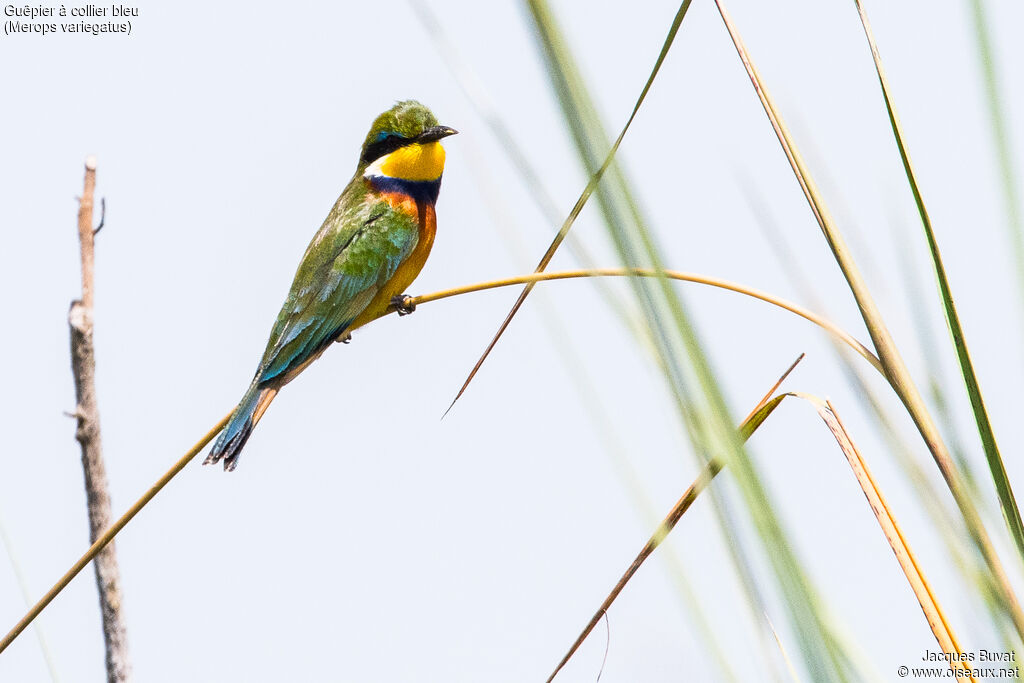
[[345, 338], [403, 304]]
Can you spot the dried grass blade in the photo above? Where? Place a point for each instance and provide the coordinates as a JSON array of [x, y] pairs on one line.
[[908, 563], [749, 425]]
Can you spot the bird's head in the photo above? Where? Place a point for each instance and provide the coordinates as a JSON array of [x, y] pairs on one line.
[[403, 143]]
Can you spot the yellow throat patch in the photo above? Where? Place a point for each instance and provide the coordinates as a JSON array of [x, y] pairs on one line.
[[413, 162]]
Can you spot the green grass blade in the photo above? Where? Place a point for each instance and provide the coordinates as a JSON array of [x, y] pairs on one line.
[[1007, 501], [896, 370], [928, 342], [685, 365], [19, 576], [1001, 135]]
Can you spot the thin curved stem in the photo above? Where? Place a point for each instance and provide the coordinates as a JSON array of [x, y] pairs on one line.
[[804, 313]]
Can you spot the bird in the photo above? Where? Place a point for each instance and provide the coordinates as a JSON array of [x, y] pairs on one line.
[[371, 246]]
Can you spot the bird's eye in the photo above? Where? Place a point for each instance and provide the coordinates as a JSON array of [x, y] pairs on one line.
[[385, 142]]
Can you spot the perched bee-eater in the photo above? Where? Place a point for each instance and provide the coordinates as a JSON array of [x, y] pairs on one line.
[[370, 247]]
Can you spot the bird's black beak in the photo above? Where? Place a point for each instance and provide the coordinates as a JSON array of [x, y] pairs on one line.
[[435, 133]]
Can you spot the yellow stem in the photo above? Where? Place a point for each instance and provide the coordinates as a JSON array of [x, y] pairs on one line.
[[818, 320]]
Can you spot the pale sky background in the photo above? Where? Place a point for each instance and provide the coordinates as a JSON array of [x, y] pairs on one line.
[[362, 537]]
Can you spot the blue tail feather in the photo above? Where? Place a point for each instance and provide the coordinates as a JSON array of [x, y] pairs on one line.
[[230, 442]]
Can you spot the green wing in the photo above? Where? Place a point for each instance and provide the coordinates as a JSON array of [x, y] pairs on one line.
[[361, 244]]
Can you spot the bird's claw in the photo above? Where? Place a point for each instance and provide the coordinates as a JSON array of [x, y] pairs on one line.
[[403, 304], [345, 338]]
